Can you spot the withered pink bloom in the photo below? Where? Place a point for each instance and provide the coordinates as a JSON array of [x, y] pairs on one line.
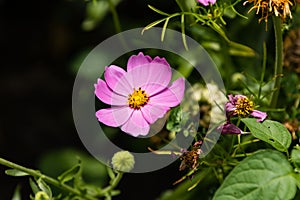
[[229, 128], [242, 106], [206, 2], [138, 96]]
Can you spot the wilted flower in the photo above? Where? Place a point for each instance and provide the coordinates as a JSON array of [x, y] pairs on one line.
[[240, 105], [139, 96], [229, 128], [206, 2], [280, 8], [190, 158]]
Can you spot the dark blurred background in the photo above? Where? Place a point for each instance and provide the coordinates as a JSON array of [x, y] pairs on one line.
[[42, 43]]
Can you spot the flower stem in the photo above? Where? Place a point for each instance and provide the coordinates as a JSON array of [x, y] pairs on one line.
[[264, 65], [115, 16], [278, 60], [114, 183], [45, 178]]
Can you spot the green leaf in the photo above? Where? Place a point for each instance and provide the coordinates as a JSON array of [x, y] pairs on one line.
[[295, 157], [35, 188], [44, 187], [271, 132], [177, 119], [17, 193], [15, 172], [69, 174], [266, 174], [237, 49]]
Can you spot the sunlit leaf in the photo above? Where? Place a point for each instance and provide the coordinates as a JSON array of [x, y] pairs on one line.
[[15, 172], [271, 132], [266, 174]]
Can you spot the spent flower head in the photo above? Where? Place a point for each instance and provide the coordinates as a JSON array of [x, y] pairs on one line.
[[279, 8], [138, 96], [123, 161], [190, 158]]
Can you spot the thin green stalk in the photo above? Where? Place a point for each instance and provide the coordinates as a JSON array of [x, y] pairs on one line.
[[45, 178], [184, 7], [115, 16], [114, 183], [117, 23], [246, 143], [278, 60], [264, 65]]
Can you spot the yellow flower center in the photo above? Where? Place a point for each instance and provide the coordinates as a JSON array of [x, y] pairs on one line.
[[137, 99], [244, 106]]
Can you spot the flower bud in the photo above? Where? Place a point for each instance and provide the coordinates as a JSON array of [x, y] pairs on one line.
[[123, 161], [41, 196]]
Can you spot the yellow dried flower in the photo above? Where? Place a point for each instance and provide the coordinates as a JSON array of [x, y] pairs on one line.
[[279, 8]]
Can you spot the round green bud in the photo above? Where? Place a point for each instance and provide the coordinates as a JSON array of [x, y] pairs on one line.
[[237, 78], [123, 161], [41, 195]]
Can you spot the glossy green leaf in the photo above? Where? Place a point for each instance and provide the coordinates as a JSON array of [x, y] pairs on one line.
[[15, 172], [271, 132], [266, 174], [69, 174]]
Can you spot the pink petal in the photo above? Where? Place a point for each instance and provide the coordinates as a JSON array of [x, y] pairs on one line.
[[112, 75], [171, 96], [229, 128], [125, 85], [152, 73], [136, 125], [137, 60], [207, 2], [153, 112], [115, 116], [106, 95], [229, 107], [261, 116]]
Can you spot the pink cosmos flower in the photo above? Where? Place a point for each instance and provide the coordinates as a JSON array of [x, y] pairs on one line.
[[206, 2], [138, 96], [242, 106]]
